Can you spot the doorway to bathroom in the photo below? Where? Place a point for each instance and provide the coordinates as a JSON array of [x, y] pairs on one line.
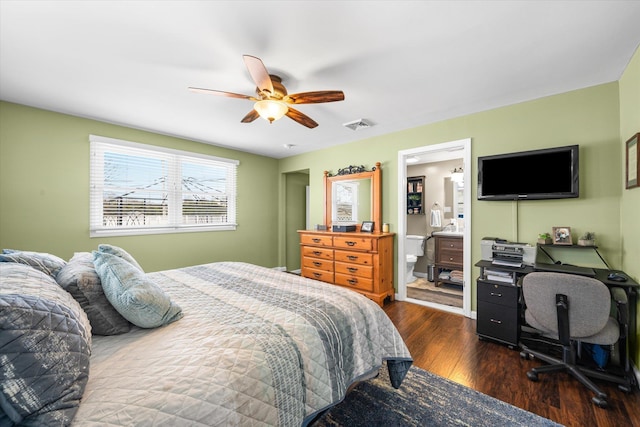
[[439, 278]]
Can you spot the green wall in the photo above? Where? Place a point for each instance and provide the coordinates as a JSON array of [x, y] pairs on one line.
[[295, 216], [587, 117], [630, 200], [44, 194]]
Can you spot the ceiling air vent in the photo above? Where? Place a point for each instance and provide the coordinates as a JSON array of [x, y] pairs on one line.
[[358, 124]]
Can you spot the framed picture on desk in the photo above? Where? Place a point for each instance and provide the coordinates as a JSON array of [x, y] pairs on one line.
[[562, 236]]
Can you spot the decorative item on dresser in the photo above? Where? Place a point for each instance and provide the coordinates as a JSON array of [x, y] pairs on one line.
[[361, 260]]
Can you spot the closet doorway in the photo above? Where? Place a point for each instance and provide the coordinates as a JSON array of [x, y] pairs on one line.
[[446, 211]]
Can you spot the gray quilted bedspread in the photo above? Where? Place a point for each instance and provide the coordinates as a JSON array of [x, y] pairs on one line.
[[255, 347]]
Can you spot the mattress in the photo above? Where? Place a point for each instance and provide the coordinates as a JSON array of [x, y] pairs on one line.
[[255, 347]]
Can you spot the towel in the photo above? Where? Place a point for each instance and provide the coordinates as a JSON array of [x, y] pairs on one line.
[[436, 218]]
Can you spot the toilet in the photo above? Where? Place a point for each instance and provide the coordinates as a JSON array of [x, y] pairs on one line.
[[414, 247]]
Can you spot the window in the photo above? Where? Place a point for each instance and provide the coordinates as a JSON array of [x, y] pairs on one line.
[[142, 189]]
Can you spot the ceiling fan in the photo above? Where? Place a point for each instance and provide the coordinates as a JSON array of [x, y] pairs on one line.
[[272, 101]]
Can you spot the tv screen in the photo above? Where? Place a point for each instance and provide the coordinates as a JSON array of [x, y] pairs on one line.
[[550, 173]]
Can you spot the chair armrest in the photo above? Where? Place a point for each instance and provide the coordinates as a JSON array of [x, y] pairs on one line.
[[620, 298]]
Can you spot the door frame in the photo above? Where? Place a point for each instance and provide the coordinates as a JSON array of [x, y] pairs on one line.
[[459, 149]]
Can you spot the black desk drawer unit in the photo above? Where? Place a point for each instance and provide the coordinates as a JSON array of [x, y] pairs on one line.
[[498, 312]]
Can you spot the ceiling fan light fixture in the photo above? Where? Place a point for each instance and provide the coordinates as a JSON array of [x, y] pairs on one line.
[[271, 110]]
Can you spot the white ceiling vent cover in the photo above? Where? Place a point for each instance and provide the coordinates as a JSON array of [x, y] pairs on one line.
[[358, 124]]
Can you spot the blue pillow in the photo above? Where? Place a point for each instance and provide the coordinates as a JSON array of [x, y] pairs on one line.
[[137, 298], [47, 263], [117, 251]]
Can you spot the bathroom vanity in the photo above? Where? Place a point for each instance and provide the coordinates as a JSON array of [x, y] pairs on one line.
[[360, 261], [449, 250]]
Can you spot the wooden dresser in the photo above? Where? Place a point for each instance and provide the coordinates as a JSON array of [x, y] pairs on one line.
[[449, 252], [362, 262]]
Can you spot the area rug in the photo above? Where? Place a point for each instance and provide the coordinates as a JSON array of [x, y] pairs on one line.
[[424, 399], [424, 290]]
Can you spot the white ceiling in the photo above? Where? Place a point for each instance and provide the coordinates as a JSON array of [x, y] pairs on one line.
[[401, 64]]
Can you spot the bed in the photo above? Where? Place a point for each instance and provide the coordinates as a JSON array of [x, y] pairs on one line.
[[239, 344]]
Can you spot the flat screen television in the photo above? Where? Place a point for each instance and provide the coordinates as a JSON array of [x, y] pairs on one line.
[[550, 173]]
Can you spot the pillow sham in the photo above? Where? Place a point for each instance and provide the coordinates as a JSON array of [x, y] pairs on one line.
[[47, 263], [117, 251], [136, 297], [80, 279], [44, 349]]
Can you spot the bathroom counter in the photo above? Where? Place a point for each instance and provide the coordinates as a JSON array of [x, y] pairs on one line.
[[448, 233]]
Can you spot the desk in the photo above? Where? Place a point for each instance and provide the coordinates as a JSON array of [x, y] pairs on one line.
[[499, 310]]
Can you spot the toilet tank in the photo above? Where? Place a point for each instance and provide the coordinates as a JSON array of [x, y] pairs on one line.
[[414, 245]]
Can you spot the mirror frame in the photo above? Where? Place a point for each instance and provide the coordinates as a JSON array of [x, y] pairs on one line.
[[346, 174]]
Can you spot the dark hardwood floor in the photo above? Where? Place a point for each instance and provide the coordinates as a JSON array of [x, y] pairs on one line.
[[446, 344]]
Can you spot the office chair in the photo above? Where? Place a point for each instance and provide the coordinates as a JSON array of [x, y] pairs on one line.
[[572, 309]]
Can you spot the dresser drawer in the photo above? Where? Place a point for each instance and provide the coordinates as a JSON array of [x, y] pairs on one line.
[[450, 243], [355, 242], [315, 252], [318, 263], [498, 294], [449, 256], [313, 239], [353, 257], [312, 273], [354, 282], [354, 269]]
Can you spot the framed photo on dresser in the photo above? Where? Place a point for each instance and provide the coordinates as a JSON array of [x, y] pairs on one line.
[[367, 226]]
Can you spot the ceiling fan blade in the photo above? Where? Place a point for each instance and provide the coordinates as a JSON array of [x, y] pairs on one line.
[[258, 73], [222, 93], [301, 118], [315, 97], [251, 116]]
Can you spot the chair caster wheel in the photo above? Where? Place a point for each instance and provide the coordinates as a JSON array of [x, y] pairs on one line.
[[532, 376], [624, 388], [602, 403], [526, 356]]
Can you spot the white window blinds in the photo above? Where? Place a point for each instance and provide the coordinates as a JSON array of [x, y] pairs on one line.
[[142, 189]]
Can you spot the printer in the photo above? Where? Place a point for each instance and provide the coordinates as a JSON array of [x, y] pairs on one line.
[[511, 254]]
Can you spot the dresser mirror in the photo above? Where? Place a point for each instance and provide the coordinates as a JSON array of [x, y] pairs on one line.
[[353, 196]]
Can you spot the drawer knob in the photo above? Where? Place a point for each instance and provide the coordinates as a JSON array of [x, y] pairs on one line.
[[496, 294], [450, 258], [317, 253], [352, 257], [317, 275], [353, 281], [352, 269], [316, 240], [451, 245], [499, 322], [350, 243], [317, 264]]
